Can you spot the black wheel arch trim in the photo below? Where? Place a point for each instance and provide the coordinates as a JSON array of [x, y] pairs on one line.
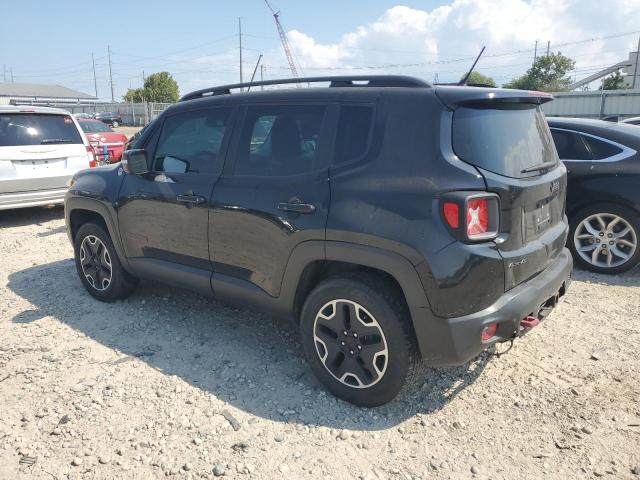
[[75, 203], [394, 264]]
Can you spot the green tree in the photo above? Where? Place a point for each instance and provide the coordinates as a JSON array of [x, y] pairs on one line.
[[158, 87], [476, 78], [135, 95], [161, 87], [548, 74], [615, 81]]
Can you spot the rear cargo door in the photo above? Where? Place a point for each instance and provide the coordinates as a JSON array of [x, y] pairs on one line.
[[510, 144], [39, 151]]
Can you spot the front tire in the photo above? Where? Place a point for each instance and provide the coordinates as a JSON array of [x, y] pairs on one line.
[[604, 238], [357, 339], [98, 265], [115, 124]]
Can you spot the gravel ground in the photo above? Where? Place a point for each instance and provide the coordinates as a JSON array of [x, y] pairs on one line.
[[168, 383]]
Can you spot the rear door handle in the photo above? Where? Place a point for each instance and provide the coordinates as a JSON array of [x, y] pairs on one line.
[[296, 207], [190, 199]]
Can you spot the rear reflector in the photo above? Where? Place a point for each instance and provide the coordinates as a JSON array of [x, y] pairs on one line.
[[451, 212], [488, 332]]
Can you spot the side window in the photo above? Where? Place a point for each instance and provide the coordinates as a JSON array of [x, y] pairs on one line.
[[190, 142], [354, 128], [570, 145], [280, 140], [601, 149]]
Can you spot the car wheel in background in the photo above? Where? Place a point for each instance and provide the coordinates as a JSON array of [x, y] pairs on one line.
[[357, 339], [604, 238], [98, 265], [115, 124]]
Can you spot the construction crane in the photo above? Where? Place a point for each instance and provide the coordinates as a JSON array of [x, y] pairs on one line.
[[284, 40]]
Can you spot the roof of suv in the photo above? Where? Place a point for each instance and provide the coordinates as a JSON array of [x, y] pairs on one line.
[[360, 86], [32, 109]]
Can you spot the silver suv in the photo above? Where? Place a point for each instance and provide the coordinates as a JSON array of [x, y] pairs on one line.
[[40, 150]]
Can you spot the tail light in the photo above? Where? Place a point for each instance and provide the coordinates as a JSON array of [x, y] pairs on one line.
[[488, 332], [472, 216], [91, 156]]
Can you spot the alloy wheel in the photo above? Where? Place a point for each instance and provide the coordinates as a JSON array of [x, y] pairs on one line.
[[605, 240], [350, 343], [95, 262]]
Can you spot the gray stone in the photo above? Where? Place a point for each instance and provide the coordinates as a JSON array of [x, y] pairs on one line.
[[219, 470]]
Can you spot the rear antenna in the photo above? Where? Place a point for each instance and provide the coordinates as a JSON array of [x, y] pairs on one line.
[[463, 80]]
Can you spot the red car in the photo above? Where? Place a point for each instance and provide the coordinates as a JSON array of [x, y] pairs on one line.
[[99, 135]]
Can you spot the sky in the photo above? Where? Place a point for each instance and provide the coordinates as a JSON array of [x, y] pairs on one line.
[[197, 41]]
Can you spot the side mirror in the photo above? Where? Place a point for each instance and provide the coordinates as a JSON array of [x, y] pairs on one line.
[[135, 161]]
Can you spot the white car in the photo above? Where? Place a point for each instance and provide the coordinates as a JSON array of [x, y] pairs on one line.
[[631, 120], [41, 148]]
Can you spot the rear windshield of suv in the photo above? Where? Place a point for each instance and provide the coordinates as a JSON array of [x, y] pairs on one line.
[[506, 141], [37, 129]]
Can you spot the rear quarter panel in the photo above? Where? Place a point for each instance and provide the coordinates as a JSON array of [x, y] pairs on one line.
[[391, 200], [621, 188]]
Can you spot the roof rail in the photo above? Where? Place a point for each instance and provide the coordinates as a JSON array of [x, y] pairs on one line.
[[337, 81]]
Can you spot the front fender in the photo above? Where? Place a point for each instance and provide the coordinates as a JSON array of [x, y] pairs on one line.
[[75, 201]]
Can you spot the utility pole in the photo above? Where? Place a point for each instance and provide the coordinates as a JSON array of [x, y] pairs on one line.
[[4, 73], [535, 52], [548, 46], [95, 81], [110, 74], [11, 74], [635, 68], [262, 69], [240, 41]]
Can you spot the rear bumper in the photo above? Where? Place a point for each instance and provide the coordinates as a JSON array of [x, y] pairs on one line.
[[454, 341], [32, 199]]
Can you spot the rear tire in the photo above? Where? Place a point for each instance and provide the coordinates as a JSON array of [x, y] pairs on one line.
[[604, 238], [370, 363], [115, 124], [98, 265]]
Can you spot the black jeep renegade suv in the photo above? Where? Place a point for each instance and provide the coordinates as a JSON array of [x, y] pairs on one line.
[[396, 222]]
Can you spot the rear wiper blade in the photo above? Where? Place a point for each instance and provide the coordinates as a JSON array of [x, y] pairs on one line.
[[47, 141], [542, 166]]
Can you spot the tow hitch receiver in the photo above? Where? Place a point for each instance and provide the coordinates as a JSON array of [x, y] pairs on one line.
[[529, 322]]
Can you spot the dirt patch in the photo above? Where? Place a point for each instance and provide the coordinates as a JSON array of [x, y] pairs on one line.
[[169, 383]]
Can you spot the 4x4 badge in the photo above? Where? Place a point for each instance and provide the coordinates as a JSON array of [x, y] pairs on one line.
[[555, 186]]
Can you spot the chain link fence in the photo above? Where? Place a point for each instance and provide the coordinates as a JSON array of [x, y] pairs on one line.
[[135, 114]]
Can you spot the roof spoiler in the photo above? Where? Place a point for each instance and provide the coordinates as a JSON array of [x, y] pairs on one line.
[[458, 96]]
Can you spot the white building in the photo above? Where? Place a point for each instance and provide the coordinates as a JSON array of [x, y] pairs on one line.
[[32, 94]]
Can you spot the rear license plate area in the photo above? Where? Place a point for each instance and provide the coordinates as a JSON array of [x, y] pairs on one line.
[[30, 167]]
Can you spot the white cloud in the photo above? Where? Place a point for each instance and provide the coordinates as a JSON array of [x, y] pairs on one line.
[[435, 39]]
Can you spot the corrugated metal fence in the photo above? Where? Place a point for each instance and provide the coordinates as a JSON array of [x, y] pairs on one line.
[[596, 104]]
